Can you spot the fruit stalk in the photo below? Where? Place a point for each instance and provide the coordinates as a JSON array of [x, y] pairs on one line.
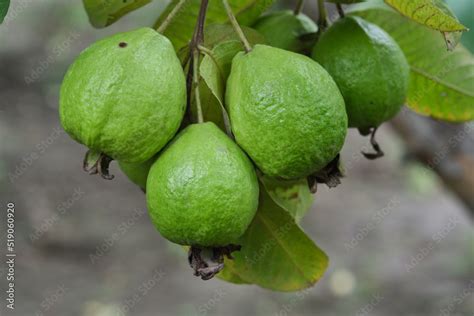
[[236, 26], [299, 7], [193, 72], [197, 94], [322, 20], [340, 11], [198, 36], [171, 16], [378, 151]]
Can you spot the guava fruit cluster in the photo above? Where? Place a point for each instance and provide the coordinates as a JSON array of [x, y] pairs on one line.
[[125, 97]]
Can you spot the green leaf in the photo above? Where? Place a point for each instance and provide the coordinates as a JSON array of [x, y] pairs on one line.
[[292, 195], [181, 28], [215, 69], [4, 5], [434, 14], [441, 81], [276, 254], [431, 13], [218, 33], [211, 108], [231, 276], [102, 13]]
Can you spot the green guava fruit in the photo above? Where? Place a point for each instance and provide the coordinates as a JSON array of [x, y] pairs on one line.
[[202, 190], [125, 95], [286, 111], [369, 68], [286, 30], [137, 172]]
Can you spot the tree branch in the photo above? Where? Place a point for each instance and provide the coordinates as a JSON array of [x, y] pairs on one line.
[[445, 148]]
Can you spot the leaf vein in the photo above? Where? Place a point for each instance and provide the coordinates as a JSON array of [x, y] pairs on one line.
[[439, 81], [298, 268]]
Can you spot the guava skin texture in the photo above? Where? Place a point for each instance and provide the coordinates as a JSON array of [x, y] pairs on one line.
[[369, 68], [282, 29], [286, 111], [137, 172], [203, 189], [125, 95]]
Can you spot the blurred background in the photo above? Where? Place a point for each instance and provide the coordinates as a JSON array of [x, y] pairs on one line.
[[398, 231]]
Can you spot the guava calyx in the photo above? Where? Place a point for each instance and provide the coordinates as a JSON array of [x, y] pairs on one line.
[[97, 163], [378, 151], [330, 175], [207, 262]]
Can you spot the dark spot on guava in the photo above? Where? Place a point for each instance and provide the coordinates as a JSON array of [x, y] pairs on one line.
[[122, 44]]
